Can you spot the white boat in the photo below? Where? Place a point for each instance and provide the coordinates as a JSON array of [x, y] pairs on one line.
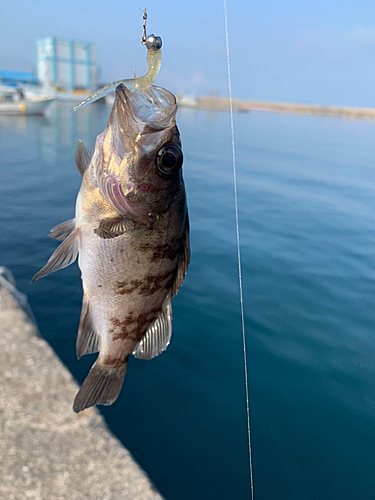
[[13, 102]]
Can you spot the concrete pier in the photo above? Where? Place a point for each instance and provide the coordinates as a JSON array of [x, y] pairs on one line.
[[47, 452]]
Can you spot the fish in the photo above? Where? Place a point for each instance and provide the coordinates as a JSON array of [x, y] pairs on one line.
[[131, 236]]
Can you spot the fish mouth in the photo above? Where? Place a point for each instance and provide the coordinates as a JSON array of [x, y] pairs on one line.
[[151, 108]]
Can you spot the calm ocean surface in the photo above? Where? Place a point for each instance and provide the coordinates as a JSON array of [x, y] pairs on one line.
[[307, 221]]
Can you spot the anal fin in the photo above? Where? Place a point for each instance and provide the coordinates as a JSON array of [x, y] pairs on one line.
[[62, 257], [158, 335], [88, 341], [102, 386], [113, 227]]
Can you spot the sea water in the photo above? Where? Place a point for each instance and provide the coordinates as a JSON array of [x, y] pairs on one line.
[[307, 225]]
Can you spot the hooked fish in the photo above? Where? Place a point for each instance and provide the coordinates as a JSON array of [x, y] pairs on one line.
[[131, 232]]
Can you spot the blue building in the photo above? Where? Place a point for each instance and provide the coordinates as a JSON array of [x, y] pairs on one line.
[[14, 78], [66, 64]]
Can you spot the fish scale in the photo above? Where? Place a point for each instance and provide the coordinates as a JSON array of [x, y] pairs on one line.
[[120, 282]]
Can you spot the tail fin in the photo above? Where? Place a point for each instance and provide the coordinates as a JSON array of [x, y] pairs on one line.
[[101, 386]]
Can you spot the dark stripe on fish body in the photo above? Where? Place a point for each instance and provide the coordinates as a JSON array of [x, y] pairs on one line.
[[165, 251], [120, 329], [128, 287], [149, 285]]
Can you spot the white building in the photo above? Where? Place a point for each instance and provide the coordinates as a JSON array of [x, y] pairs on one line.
[[66, 64]]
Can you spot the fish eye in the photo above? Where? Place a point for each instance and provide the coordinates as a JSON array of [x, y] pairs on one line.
[[169, 159]]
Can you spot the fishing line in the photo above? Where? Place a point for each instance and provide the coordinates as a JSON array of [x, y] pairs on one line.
[[239, 258]]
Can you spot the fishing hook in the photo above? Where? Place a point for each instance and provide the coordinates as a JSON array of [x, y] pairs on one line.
[[153, 44]]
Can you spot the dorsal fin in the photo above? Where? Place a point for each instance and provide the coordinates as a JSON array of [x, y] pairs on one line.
[[183, 260], [158, 335], [83, 157]]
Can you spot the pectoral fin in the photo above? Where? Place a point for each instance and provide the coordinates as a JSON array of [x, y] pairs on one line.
[[82, 157], [88, 341], [65, 255], [62, 231], [113, 227], [158, 334]]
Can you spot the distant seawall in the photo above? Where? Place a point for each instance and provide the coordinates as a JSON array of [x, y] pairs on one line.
[[222, 104]]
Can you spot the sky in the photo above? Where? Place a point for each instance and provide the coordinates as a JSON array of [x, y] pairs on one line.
[[314, 52]]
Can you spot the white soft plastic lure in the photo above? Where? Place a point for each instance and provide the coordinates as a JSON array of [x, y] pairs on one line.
[[153, 44]]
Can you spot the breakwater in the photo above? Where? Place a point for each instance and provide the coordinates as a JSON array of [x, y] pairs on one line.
[[222, 104]]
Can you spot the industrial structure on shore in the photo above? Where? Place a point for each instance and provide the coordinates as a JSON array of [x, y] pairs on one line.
[[64, 69], [66, 65]]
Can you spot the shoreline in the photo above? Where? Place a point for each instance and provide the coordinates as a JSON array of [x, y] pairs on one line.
[[241, 106]]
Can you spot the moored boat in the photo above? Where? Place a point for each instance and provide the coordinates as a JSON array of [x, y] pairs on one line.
[[13, 102]]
